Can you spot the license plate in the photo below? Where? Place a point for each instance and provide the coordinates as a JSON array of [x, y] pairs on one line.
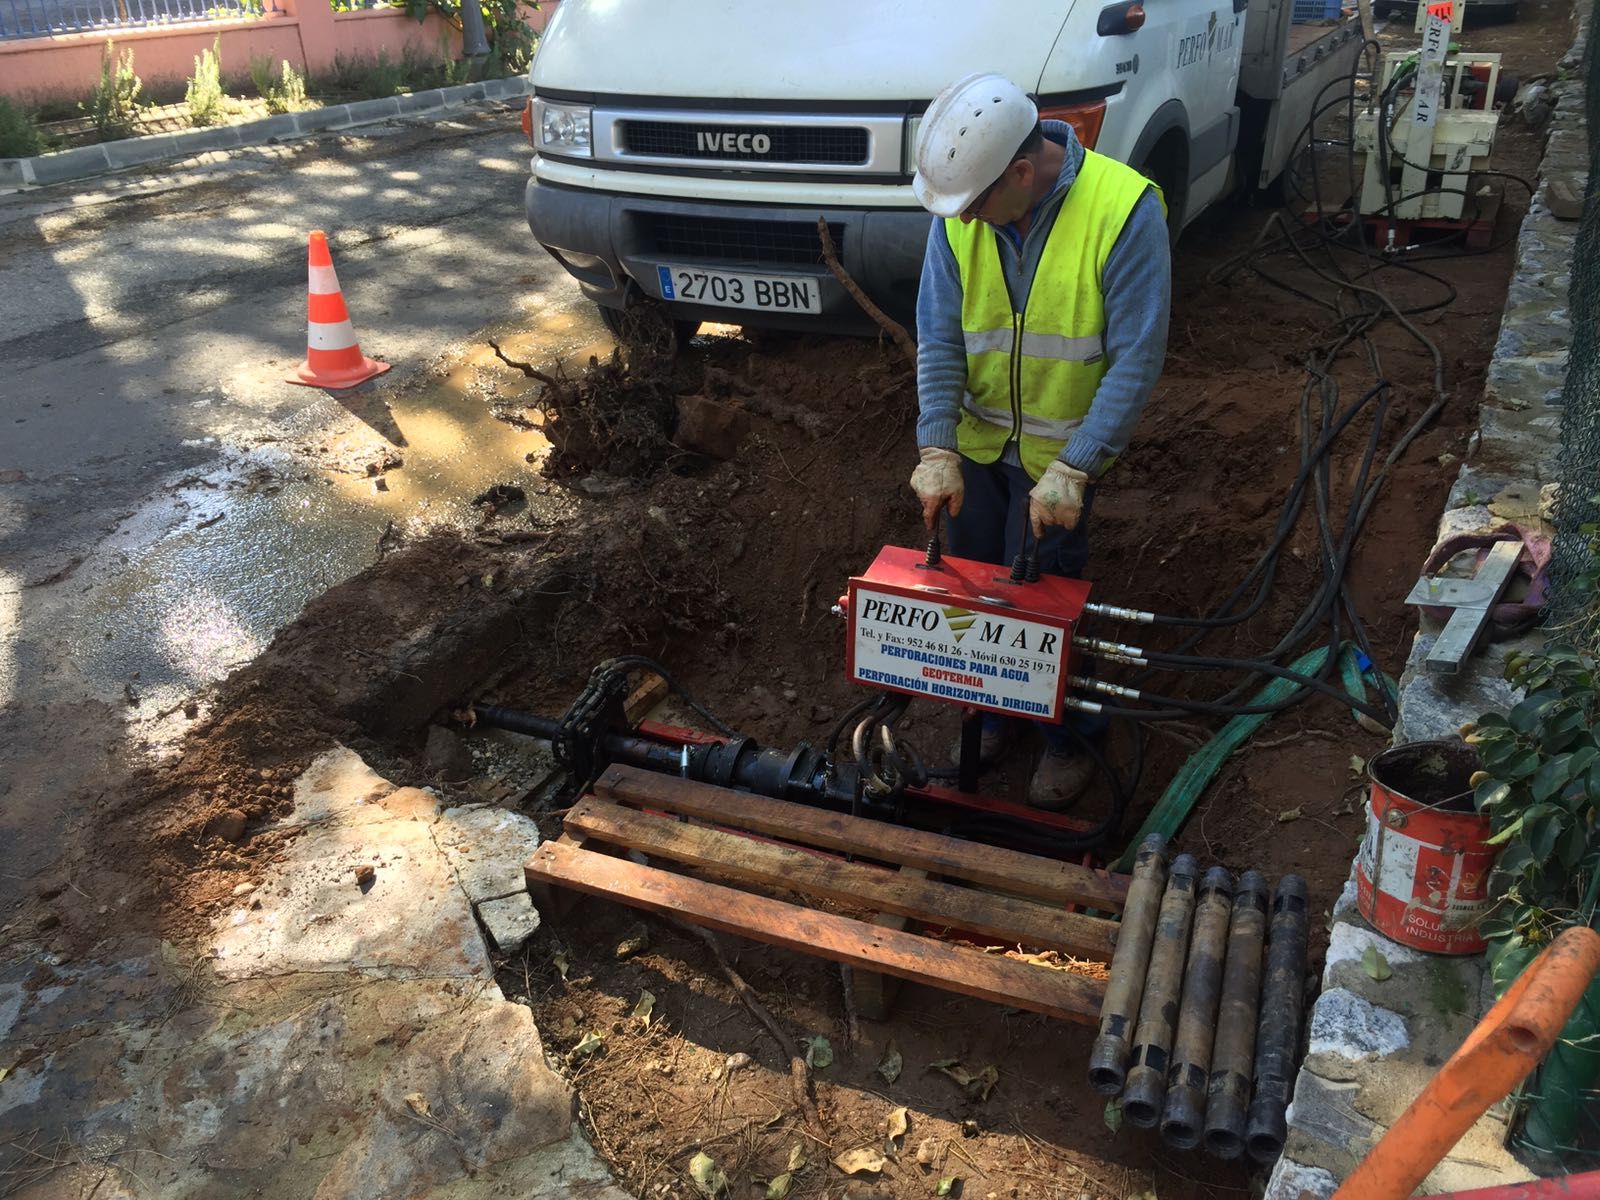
[[734, 289]]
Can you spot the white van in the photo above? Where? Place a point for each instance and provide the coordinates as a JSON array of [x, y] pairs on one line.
[[684, 149]]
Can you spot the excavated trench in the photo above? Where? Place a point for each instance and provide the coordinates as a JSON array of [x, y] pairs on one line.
[[722, 561]]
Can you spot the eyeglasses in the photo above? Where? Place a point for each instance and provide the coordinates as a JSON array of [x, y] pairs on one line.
[[972, 210]]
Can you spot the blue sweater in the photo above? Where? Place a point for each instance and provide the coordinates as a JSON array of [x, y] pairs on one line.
[[1137, 283]]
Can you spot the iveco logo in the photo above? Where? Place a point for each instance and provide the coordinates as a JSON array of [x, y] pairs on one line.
[[733, 143]]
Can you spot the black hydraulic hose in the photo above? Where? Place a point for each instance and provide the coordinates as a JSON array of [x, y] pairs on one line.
[[1256, 666], [650, 664]]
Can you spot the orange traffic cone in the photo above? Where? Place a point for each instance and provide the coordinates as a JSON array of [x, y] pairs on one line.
[[333, 358]]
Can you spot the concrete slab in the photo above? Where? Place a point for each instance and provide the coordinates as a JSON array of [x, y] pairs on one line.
[[511, 921], [311, 914], [487, 847]]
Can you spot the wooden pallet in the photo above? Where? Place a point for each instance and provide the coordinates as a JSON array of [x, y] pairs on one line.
[[935, 881]]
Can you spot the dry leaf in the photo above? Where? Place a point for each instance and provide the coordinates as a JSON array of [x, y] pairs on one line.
[[4, 1071], [977, 1086], [819, 1052], [898, 1124], [1376, 965], [927, 1151], [418, 1103], [562, 964], [779, 1187], [641, 1010], [945, 1184], [1290, 814], [797, 1157], [1358, 765], [853, 1162], [1112, 1115], [890, 1065], [591, 1042], [707, 1176]]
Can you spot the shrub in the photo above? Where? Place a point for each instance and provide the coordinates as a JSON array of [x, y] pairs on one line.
[[204, 93], [115, 101], [19, 136], [285, 94]]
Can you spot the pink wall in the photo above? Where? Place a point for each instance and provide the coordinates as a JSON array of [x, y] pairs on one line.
[[307, 34]]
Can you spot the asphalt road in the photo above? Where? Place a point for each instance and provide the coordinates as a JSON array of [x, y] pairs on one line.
[[145, 329]]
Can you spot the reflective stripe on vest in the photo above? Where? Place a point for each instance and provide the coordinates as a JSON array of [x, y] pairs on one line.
[[1038, 386]]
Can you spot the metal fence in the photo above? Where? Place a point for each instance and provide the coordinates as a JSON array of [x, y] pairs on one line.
[[41, 18], [1579, 463]]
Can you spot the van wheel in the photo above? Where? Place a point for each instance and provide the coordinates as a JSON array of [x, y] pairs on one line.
[[1167, 168], [646, 323]]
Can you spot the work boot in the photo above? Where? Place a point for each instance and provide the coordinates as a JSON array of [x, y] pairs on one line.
[[1059, 779], [996, 737]]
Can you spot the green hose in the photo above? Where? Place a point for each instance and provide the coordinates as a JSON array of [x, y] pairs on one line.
[[1184, 791]]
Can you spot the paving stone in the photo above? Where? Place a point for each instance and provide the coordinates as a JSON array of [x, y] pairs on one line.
[[1296, 1181], [487, 848], [14, 172], [511, 921], [1522, 442], [135, 152], [1526, 382]]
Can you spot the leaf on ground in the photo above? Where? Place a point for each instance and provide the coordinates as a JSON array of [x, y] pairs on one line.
[[927, 1151], [1358, 765], [1375, 964], [1113, 1115], [977, 1086], [1290, 814], [985, 1082], [864, 1158], [591, 1042], [4, 1071], [945, 1184], [641, 1011], [779, 1187], [797, 1158], [418, 1103], [707, 1176], [898, 1124], [891, 1063], [819, 1052], [562, 964]]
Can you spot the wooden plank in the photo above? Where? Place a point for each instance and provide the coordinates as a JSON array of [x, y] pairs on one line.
[[550, 902], [875, 992], [644, 698], [842, 939], [746, 861], [1022, 874]]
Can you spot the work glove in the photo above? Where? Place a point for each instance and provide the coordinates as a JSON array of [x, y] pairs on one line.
[[1057, 499], [937, 481]]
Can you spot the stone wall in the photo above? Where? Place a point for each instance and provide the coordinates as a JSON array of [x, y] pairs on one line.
[[1374, 1043]]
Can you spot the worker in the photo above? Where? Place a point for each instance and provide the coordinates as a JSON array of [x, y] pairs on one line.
[[1069, 247]]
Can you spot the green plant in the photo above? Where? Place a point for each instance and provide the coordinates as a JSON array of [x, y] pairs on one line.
[[1540, 788], [287, 93], [512, 40], [115, 101], [19, 135], [204, 93]]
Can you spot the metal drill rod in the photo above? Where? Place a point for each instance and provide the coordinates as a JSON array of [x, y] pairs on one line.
[[1108, 1059], [1233, 1054], [1184, 1113], [1278, 1036], [1158, 1010]]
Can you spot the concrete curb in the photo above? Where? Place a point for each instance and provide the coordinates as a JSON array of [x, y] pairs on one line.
[[1374, 1044], [87, 161]]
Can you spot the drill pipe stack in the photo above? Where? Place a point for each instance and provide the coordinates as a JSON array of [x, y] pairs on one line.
[[1219, 999]]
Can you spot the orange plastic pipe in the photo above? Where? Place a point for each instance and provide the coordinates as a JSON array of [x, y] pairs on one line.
[[1499, 1054]]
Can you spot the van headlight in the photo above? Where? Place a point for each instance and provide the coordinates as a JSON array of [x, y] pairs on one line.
[[563, 128]]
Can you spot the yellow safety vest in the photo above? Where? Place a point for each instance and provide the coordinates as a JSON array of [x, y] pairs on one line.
[[1036, 387]]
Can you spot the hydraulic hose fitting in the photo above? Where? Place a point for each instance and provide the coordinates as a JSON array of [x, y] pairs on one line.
[[1112, 612]]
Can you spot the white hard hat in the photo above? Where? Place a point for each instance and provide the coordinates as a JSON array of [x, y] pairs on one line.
[[969, 135]]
